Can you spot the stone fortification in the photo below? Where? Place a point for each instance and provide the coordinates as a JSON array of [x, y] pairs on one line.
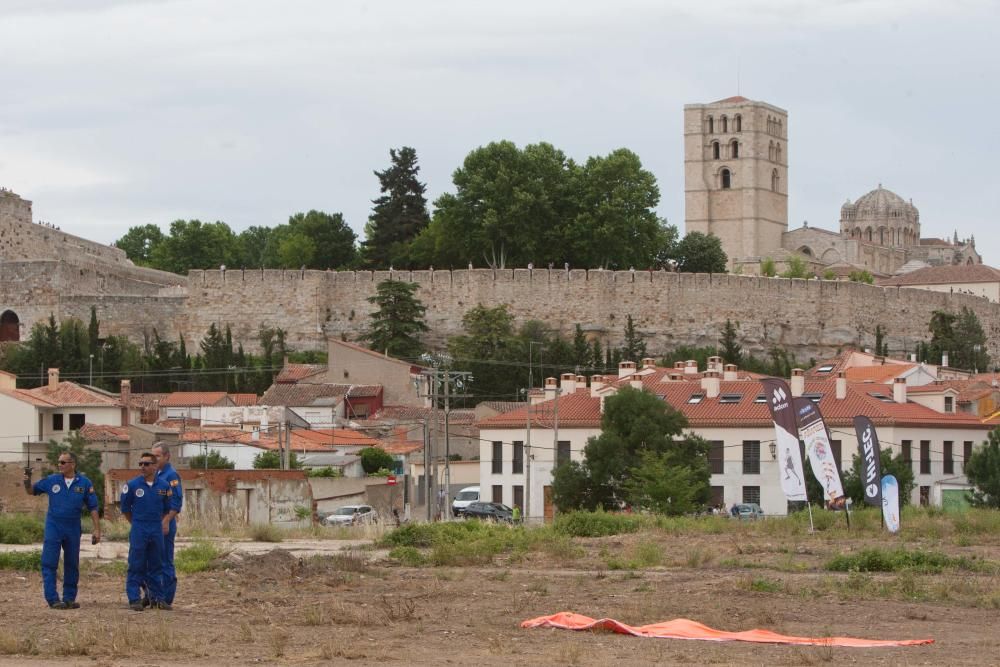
[[812, 318]]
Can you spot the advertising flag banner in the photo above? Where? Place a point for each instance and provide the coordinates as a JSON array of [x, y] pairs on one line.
[[812, 430], [890, 503], [871, 461], [779, 400]]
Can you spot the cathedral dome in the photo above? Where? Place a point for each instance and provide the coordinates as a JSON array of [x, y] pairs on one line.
[[880, 204], [880, 199]]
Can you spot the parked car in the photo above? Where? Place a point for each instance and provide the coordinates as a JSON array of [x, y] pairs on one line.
[[350, 515], [749, 511], [494, 511], [469, 494]]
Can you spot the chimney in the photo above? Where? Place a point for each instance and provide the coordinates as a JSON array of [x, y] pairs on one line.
[[715, 364], [798, 382], [536, 396], [899, 390], [581, 382], [126, 401], [690, 367], [913, 357], [550, 388], [8, 381], [596, 383], [729, 374], [841, 385], [567, 383], [944, 360], [648, 362], [710, 383], [674, 377], [53, 378], [679, 365], [635, 383], [626, 368]]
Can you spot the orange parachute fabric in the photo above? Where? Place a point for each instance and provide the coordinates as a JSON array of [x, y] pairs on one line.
[[682, 628]]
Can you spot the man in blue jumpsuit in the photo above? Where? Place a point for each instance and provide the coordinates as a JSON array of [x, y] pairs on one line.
[[167, 473], [68, 492], [145, 500]]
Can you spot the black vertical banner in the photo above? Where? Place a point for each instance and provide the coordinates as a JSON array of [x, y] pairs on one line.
[[871, 462]]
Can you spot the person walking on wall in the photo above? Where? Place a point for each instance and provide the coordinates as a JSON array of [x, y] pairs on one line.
[[145, 501], [168, 474], [69, 492]]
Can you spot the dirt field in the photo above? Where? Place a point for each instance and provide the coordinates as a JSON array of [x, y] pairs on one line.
[[362, 608]]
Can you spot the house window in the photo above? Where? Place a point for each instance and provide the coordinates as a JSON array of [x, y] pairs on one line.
[[727, 179], [751, 457], [925, 496], [497, 468], [949, 403], [518, 464], [76, 421], [751, 494], [717, 496], [907, 447], [925, 457], [696, 398], [730, 398], [716, 462], [835, 449], [497, 493], [949, 458], [518, 496], [966, 453], [562, 452], [57, 422]]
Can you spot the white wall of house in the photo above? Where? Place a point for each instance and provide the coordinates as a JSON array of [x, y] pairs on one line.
[[243, 417], [319, 416], [182, 412], [240, 454], [20, 424], [108, 416]]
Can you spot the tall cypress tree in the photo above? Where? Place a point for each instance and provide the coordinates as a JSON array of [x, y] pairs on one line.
[[398, 215]]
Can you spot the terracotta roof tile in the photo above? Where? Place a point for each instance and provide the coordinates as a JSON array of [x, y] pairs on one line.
[[68, 394], [243, 399], [883, 373], [190, 399], [335, 437], [292, 373], [104, 433], [308, 394], [945, 275]]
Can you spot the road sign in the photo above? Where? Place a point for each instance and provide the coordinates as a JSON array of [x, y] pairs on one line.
[[391, 480]]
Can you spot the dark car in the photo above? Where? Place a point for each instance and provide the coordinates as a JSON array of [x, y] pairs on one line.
[[495, 511]]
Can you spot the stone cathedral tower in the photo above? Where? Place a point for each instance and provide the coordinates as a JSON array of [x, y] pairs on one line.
[[736, 174]]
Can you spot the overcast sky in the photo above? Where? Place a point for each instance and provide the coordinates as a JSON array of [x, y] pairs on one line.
[[118, 113]]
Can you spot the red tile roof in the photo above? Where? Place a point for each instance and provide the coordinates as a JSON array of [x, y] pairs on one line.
[[945, 275], [292, 373], [243, 399], [65, 394], [335, 437], [733, 99], [414, 368], [191, 399], [883, 373], [104, 433]]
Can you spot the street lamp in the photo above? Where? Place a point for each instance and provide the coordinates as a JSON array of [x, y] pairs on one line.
[[91, 370], [774, 451]]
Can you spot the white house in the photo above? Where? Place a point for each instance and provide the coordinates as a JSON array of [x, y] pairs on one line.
[[729, 411]]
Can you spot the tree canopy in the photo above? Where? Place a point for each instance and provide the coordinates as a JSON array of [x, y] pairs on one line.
[[700, 253], [398, 215], [983, 471], [397, 324], [959, 336]]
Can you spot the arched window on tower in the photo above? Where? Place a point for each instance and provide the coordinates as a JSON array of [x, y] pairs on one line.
[[769, 125], [774, 180], [711, 125], [781, 128], [724, 124], [738, 123], [727, 179], [734, 149], [770, 151], [777, 153], [10, 326], [715, 150], [868, 234]]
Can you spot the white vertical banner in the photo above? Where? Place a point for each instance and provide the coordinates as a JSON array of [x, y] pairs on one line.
[[786, 437], [890, 503], [814, 434]]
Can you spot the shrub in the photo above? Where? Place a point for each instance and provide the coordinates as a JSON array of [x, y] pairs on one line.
[[21, 529], [21, 560], [265, 532], [327, 471], [407, 556], [896, 560], [196, 558], [596, 524]]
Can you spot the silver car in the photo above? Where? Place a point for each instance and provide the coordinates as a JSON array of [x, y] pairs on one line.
[[350, 515]]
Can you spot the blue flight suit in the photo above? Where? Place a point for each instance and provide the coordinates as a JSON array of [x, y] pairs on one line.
[[63, 530], [147, 504], [170, 476]]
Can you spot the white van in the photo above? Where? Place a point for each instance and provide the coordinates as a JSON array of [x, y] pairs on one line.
[[465, 497]]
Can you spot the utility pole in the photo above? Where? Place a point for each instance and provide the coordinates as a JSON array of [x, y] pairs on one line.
[[526, 510], [435, 487], [447, 447]]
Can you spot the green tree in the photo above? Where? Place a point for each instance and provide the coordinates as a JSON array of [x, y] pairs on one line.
[[970, 350], [297, 250], [93, 332], [259, 247], [881, 345], [891, 465], [399, 320], [193, 244], [767, 268], [333, 240], [581, 349], [88, 461], [374, 459], [139, 243], [700, 253], [983, 471], [213, 461], [633, 347], [74, 348], [398, 215], [487, 343], [636, 442], [271, 460], [829, 274], [661, 485], [861, 276], [729, 344]]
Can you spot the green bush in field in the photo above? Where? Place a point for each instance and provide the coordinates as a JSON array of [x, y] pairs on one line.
[[21, 529], [407, 556], [21, 560], [896, 560], [196, 558], [597, 524]]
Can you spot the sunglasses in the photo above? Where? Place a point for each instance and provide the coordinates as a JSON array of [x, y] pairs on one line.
[[63, 462], [147, 463]]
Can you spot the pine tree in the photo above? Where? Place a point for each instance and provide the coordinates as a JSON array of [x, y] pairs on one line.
[[398, 215], [93, 331], [730, 349], [399, 320], [634, 349], [581, 349]]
